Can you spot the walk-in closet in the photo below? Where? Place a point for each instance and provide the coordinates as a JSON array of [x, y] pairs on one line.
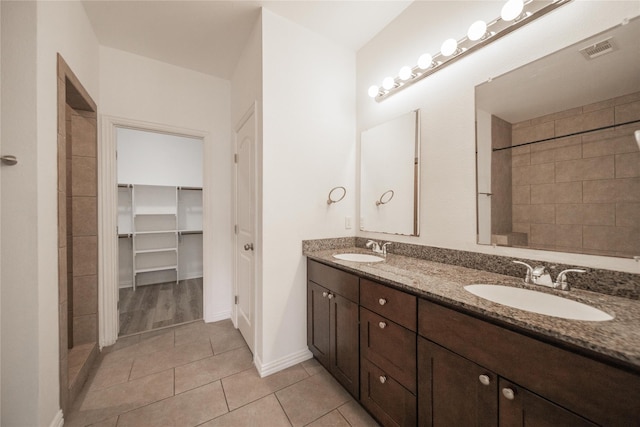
[[159, 229]]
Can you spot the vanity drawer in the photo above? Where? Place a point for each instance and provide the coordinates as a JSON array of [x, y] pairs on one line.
[[393, 304], [335, 280], [389, 346], [386, 398]]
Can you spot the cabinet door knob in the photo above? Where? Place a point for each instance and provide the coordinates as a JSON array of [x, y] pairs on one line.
[[383, 379], [382, 325], [248, 247], [484, 379], [330, 296], [382, 301], [324, 294], [509, 393]]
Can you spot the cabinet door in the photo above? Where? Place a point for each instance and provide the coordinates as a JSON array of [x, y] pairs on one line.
[[344, 343], [519, 407], [453, 391], [318, 319]]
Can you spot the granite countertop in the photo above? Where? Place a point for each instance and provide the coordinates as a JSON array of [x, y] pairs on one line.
[[617, 340]]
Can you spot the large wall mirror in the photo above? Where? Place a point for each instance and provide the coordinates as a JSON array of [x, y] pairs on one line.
[[557, 161], [389, 176]]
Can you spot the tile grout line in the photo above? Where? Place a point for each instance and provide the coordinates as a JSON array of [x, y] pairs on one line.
[[283, 410]]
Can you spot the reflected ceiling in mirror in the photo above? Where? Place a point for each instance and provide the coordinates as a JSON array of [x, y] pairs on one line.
[[389, 176], [558, 166]]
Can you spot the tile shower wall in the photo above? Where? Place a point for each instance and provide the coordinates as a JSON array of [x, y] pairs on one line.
[[579, 193]]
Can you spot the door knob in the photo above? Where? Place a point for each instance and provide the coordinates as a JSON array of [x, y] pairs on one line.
[[248, 247], [484, 379], [9, 160], [509, 393], [382, 325], [382, 301], [383, 379], [324, 294]]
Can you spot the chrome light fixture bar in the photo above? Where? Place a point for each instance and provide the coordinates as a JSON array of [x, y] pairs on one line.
[[515, 14]]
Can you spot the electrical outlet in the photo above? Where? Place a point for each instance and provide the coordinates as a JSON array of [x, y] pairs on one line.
[[347, 223]]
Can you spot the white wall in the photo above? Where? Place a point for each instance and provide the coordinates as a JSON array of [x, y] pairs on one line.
[[33, 34], [308, 148], [448, 182], [146, 90]]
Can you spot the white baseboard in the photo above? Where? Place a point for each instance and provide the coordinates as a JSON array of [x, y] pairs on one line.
[[58, 420], [216, 317], [265, 369]]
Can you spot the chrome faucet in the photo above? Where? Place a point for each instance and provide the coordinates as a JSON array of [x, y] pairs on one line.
[[539, 275], [561, 280], [377, 248]]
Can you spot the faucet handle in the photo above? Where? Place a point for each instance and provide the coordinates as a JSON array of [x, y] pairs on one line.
[[528, 279], [561, 280], [384, 247]]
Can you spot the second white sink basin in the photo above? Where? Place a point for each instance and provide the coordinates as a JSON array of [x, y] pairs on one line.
[[538, 302], [358, 257]]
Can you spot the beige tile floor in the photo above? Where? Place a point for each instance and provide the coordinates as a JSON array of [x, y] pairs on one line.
[[202, 375]]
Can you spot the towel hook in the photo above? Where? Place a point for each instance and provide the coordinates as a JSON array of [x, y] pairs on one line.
[[383, 200], [334, 199]]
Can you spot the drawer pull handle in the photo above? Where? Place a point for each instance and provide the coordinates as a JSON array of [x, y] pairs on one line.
[[330, 296], [382, 301], [382, 325], [509, 393], [484, 379], [324, 294], [383, 379]]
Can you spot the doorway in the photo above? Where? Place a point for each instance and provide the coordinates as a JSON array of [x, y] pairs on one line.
[[160, 229], [77, 233]]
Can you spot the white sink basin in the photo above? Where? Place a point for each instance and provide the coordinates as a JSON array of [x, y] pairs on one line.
[[538, 302], [358, 257]]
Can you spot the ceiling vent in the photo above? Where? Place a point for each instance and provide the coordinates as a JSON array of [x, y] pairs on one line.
[[598, 49]]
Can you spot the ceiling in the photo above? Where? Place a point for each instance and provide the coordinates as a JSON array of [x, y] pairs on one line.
[[208, 35]]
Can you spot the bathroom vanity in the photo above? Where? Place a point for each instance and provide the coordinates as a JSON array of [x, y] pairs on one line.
[[414, 348]]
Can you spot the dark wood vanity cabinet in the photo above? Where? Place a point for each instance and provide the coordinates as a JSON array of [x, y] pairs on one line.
[[472, 372], [332, 322], [388, 369]]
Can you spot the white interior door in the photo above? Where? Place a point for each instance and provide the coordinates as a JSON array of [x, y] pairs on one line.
[[245, 228]]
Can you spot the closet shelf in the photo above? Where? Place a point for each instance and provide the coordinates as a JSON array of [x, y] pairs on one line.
[[137, 233], [155, 214], [152, 269], [155, 250]]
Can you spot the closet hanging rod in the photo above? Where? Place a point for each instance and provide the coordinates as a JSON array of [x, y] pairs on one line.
[[125, 185], [189, 188], [187, 232], [582, 132]]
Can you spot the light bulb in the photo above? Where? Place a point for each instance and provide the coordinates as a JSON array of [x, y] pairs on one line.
[[449, 47], [405, 73], [373, 91], [388, 83], [425, 61], [511, 10], [477, 30]]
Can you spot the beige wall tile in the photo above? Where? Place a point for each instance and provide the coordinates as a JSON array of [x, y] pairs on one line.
[[84, 176], [520, 159], [520, 125], [567, 192], [62, 163], [628, 214], [599, 214], [521, 213], [62, 274], [543, 214], [558, 150], [627, 165], [85, 216], [63, 318], [520, 227], [569, 125], [619, 239], [625, 99], [520, 175], [628, 112], [83, 136], [533, 133], [569, 236], [559, 115], [62, 219], [602, 191], [599, 105], [597, 119], [543, 234], [521, 195], [627, 190], [625, 143], [85, 329], [542, 194], [85, 295], [585, 169], [569, 214], [542, 174], [85, 256]]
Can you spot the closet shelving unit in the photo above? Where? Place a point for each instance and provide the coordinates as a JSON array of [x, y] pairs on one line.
[[156, 218]]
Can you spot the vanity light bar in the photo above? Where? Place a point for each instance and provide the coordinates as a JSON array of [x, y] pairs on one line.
[[515, 14]]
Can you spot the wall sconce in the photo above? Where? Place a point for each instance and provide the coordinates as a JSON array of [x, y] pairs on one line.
[[514, 14]]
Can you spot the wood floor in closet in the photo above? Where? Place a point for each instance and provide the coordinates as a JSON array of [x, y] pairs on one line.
[[156, 306]]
